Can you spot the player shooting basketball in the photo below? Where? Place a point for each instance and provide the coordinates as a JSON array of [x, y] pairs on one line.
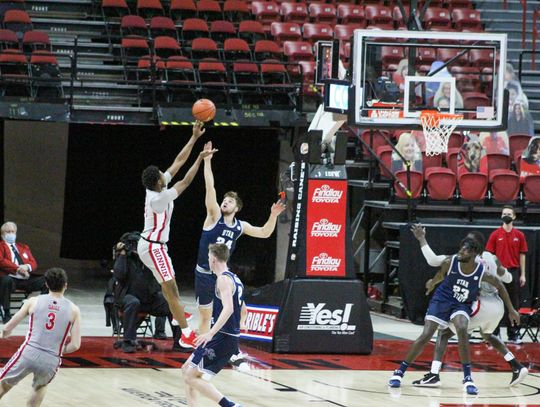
[[487, 311], [452, 302]]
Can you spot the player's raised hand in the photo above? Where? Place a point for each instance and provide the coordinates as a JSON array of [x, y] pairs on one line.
[[277, 208], [513, 315], [198, 130], [418, 231], [207, 151]]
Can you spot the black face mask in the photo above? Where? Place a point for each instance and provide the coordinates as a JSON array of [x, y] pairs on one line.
[[507, 219]]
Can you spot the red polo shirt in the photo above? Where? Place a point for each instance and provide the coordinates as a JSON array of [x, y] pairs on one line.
[[507, 246]]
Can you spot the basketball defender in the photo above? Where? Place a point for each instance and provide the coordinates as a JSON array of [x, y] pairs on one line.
[[486, 315], [461, 277], [52, 318], [158, 209], [216, 346]]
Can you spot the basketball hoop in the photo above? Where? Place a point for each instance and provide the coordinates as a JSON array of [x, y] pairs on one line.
[[437, 130]]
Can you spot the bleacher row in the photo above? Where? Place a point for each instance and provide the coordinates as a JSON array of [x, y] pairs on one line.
[[441, 180]]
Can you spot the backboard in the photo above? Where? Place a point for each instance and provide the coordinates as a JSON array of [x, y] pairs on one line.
[[397, 74]]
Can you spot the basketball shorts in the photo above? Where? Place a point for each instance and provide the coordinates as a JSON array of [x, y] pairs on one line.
[[30, 361], [209, 360], [487, 312], [155, 257], [442, 312], [205, 287]]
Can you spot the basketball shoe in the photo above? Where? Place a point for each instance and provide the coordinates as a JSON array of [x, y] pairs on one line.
[[429, 380], [469, 386], [188, 341], [518, 375], [395, 380]]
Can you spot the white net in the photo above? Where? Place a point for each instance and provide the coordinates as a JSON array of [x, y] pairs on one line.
[[437, 130]]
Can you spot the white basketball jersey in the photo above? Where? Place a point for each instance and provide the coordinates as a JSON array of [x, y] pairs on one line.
[[490, 267], [157, 225], [50, 324]]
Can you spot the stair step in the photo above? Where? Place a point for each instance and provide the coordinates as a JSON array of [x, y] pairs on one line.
[[394, 244]]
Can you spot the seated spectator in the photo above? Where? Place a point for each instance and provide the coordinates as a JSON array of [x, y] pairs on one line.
[[444, 91], [495, 142], [530, 160], [402, 70], [520, 120], [136, 291], [410, 151], [472, 157], [18, 268]]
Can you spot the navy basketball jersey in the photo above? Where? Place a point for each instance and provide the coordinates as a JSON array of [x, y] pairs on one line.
[[232, 326], [219, 233], [459, 287]]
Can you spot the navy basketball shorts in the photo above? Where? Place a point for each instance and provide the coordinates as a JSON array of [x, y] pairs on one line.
[[442, 312], [205, 286], [209, 360]]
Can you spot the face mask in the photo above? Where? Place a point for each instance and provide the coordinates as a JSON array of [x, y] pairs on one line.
[[10, 237], [507, 219]]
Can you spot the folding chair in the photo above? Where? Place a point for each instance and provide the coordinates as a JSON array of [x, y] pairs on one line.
[[530, 320]]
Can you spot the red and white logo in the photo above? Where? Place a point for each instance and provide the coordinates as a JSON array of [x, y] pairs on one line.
[[326, 194], [325, 228], [324, 262], [260, 322]]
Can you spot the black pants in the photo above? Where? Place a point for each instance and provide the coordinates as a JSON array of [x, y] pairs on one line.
[[158, 307], [513, 292], [9, 284]]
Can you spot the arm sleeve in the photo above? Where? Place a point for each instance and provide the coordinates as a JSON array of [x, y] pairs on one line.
[[159, 203], [432, 259], [506, 277]]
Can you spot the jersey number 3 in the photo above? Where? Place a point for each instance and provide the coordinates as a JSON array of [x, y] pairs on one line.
[[50, 325]]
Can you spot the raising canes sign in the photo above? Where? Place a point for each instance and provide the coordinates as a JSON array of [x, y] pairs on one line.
[[326, 220]]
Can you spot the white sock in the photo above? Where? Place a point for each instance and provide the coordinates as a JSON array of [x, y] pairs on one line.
[[436, 366], [509, 356], [186, 331]]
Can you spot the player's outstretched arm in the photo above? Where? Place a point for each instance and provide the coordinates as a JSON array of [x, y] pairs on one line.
[[75, 342], [432, 259], [513, 315], [18, 317], [183, 155], [502, 271], [181, 185], [213, 211], [267, 229], [225, 289], [443, 271]]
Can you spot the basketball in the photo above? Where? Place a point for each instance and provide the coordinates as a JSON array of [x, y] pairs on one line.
[[204, 110]]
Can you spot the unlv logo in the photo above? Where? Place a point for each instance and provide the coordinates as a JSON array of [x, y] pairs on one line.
[[326, 194], [325, 228]]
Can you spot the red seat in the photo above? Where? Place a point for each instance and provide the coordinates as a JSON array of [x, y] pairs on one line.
[[194, 28], [380, 16], [452, 158], [385, 155], [160, 25], [149, 8], [273, 72], [245, 72], [220, 30], [298, 51], [397, 16], [204, 48], [183, 9], [417, 182], [467, 19], [445, 54], [251, 31], [455, 140], [345, 32], [236, 48], [351, 14], [425, 56], [236, 10], [43, 57], [17, 20], [391, 55], [145, 63], [531, 188], [472, 100], [213, 73], [165, 47], [468, 83], [378, 140], [265, 12], [504, 184], [473, 186], [144, 68], [36, 40], [209, 10], [437, 17], [134, 47], [481, 58], [266, 49], [285, 32], [294, 12], [498, 161], [133, 26], [114, 8], [441, 183], [307, 70], [317, 32], [430, 161], [452, 4], [518, 142], [322, 13], [8, 39], [180, 70]]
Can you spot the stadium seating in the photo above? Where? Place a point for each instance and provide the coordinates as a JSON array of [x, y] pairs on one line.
[[114, 8], [518, 142], [351, 14], [437, 17], [183, 9], [285, 32], [266, 49], [385, 154], [236, 10], [266, 12], [221, 30], [322, 13], [504, 184], [149, 8], [251, 31], [441, 183], [473, 186], [293, 12], [531, 188], [417, 181], [236, 49], [194, 28], [317, 32], [133, 26], [160, 25], [209, 10], [467, 19], [498, 161], [165, 47]]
